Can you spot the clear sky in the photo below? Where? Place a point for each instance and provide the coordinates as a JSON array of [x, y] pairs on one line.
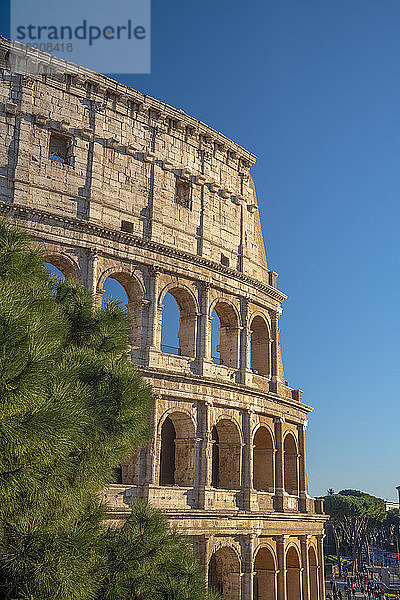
[[313, 89]]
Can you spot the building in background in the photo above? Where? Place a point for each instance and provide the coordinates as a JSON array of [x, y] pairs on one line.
[[115, 184], [390, 505]]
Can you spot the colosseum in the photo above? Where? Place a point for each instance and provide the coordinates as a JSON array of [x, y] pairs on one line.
[[115, 184]]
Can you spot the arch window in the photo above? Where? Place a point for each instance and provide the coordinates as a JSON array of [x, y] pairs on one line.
[[224, 335], [114, 292], [226, 453], [124, 289], [264, 582], [224, 573], [260, 347], [291, 465], [60, 266], [313, 573], [293, 582], [177, 452], [178, 326], [167, 461], [54, 271], [263, 461]]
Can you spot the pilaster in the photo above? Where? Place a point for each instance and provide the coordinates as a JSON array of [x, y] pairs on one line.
[[304, 540], [280, 551], [279, 467]]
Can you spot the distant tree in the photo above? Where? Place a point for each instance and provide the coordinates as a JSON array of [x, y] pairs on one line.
[[330, 491], [73, 407], [354, 514]]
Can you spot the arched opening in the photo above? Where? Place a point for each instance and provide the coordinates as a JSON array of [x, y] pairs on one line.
[[170, 326], [293, 582], [224, 574], [167, 459], [291, 465], [263, 461], [60, 266], [121, 287], [114, 292], [264, 581], [226, 453], [260, 347], [224, 335], [215, 458], [178, 325], [177, 453], [54, 271], [313, 573]]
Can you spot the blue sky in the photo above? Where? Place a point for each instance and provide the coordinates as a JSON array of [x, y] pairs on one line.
[[313, 89]]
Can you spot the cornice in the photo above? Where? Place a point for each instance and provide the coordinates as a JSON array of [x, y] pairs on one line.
[[90, 228], [195, 379], [233, 515], [55, 68]]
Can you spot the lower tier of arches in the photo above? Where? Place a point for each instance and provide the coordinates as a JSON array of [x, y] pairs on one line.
[[247, 556]]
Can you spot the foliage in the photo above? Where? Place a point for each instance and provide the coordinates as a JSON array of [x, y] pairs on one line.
[[73, 408], [145, 560], [353, 514]]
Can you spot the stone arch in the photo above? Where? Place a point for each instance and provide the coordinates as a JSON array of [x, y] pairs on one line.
[[265, 574], [260, 348], [313, 573], [188, 311], [229, 319], [291, 464], [263, 459], [63, 263], [135, 293], [130, 282], [226, 454], [177, 449], [224, 573], [293, 573]]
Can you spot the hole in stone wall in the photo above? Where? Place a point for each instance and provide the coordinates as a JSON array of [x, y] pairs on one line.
[[224, 260], [183, 194], [127, 226], [60, 147]]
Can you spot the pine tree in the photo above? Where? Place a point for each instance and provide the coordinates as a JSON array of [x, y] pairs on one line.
[[73, 408]]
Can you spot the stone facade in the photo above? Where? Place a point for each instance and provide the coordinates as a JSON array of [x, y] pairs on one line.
[[113, 183]]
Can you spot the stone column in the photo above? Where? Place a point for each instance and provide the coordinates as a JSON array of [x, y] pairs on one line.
[[321, 573], [204, 554], [301, 428], [280, 550], [152, 324], [248, 490], [279, 466], [204, 328], [275, 349], [205, 450], [152, 459], [306, 569], [244, 349], [92, 276], [248, 563]]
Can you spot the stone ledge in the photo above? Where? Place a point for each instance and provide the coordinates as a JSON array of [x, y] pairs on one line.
[[104, 232]]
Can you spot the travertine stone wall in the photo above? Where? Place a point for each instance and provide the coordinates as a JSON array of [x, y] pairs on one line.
[[162, 203]]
